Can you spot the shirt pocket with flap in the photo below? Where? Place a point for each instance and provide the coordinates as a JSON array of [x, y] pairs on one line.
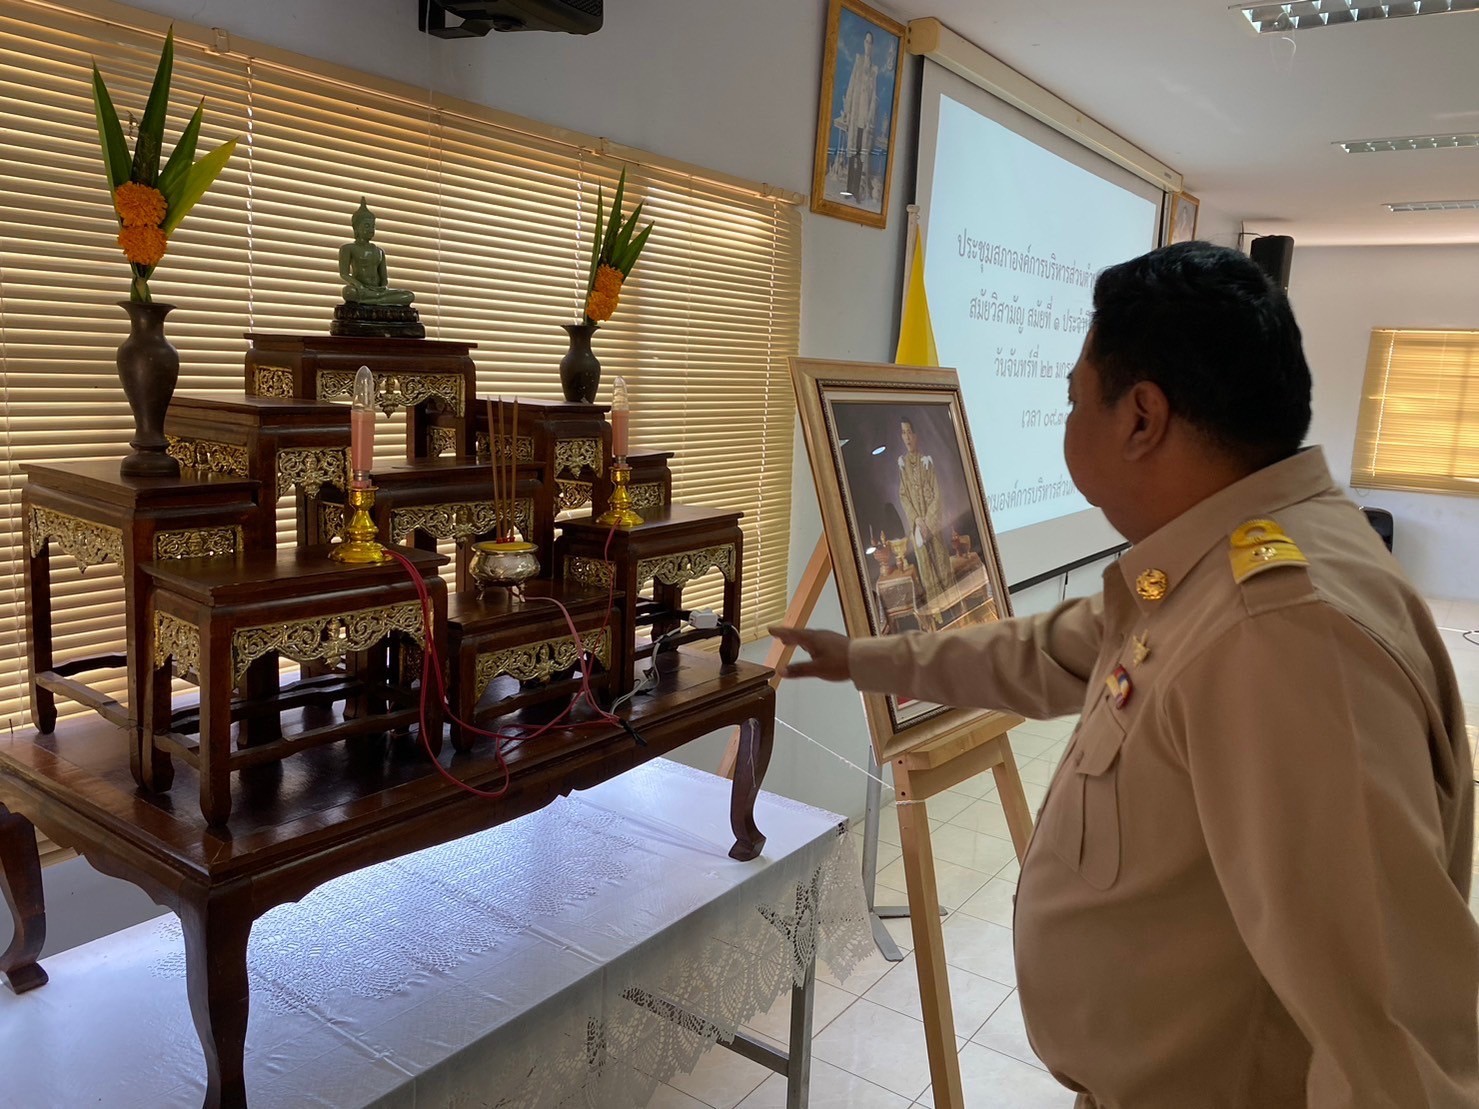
[[1087, 836]]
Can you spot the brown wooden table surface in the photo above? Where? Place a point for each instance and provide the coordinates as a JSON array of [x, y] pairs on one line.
[[317, 815]]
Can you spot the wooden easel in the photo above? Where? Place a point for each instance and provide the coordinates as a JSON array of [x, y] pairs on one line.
[[919, 774]]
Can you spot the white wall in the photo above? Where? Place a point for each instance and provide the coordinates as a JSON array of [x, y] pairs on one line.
[[1339, 294]]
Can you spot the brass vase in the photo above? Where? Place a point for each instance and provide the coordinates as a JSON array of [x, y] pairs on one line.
[[580, 371], [149, 367]]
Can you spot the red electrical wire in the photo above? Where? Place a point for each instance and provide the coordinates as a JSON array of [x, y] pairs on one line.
[[431, 670]]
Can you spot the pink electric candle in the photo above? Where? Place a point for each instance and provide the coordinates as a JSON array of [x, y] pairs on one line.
[[620, 418], [361, 440], [362, 428]]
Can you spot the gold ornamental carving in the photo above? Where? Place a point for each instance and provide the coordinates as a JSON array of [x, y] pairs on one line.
[[525, 447], [675, 569], [460, 520], [273, 381], [311, 468], [398, 390], [325, 638], [330, 521], [592, 572], [647, 496], [440, 440], [538, 662], [176, 639], [207, 454], [85, 541], [570, 495], [197, 542], [572, 456]]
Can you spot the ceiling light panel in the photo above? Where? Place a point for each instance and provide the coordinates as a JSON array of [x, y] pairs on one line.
[[1433, 206], [1411, 142], [1308, 14]]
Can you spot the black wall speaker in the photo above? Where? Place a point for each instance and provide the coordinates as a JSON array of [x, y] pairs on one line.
[[1274, 255]]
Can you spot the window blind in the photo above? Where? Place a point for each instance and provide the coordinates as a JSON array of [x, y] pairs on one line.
[[1419, 421], [486, 217]]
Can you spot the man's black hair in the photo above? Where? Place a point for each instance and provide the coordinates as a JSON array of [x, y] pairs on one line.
[[1211, 329]]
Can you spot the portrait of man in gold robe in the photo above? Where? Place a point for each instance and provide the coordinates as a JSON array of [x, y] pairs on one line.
[[924, 517]]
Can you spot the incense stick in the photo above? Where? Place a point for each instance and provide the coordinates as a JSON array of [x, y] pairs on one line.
[[513, 475], [493, 462]]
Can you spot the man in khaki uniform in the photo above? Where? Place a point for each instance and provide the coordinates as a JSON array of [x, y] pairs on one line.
[[1248, 882]]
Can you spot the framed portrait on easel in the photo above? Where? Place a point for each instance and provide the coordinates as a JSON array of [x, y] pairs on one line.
[[858, 114], [904, 516]]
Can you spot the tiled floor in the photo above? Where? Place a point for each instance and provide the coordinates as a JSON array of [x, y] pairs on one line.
[[869, 1039]]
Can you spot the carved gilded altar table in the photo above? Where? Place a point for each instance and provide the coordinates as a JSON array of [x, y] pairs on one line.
[[426, 501], [285, 444], [514, 650], [89, 511], [432, 382], [213, 619], [673, 546]]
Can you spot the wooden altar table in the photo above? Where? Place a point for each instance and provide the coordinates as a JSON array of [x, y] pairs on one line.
[[324, 813]]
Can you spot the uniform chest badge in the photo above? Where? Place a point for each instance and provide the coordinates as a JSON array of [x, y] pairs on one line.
[[1152, 585], [1120, 687], [1141, 649]]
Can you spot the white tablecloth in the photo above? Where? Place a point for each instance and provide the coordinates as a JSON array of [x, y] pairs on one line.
[[516, 967]]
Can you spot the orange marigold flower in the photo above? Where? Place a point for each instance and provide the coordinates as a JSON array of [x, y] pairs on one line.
[[601, 303], [608, 281], [139, 205], [144, 246]]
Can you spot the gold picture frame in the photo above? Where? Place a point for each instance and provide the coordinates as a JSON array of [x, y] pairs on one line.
[[1181, 218], [851, 174], [899, 566]]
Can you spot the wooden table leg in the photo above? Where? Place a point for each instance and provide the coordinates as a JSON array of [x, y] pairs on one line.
[[20, 878], [929, 945], [216, 687], [216, 931], [38, 620], [1013, 798], [757, 736], [157, 772]]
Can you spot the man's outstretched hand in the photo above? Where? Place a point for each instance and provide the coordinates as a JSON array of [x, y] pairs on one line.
[[828, 652]]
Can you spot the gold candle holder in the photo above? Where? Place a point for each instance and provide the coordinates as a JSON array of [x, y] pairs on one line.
[[360, 545], [621, 513]]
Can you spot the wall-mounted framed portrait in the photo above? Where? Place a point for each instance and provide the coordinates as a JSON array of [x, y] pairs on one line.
[[1181, 222], [858, 114]]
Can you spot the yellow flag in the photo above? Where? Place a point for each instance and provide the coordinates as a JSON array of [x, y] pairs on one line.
[[916, 336]]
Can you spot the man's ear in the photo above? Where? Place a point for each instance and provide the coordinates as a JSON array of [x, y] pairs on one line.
[[1147, 413]]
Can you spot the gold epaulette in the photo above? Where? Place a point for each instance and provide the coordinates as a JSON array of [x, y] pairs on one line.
[[1261, 545]]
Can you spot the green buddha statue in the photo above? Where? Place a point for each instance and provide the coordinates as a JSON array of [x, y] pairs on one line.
[[362, 266]]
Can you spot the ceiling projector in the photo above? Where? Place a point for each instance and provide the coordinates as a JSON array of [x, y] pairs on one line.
[[476, 18]]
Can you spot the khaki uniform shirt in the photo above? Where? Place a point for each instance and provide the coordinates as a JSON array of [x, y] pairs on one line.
[[1248, 882]]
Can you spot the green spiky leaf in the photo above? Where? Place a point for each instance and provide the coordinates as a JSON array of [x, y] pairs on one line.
[[590, 281], [624, 234], [193, 184], [183, 155], [110, 133], [151, 127], [634, 251], [613, 224]]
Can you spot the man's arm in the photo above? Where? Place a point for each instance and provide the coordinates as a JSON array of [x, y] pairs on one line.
[[1036, 666], [1307, 748]]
